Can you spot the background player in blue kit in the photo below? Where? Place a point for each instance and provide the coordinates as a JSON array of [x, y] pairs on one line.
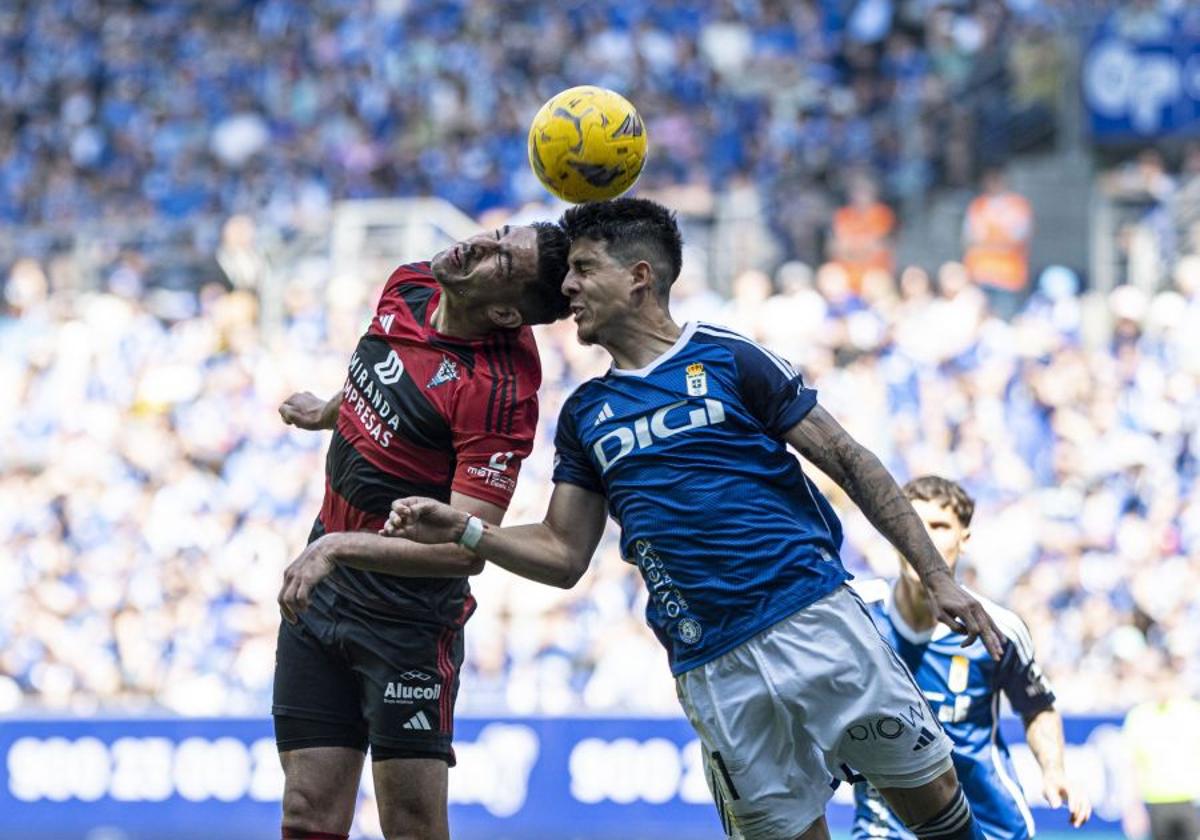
[[684, 441], [964, 686]]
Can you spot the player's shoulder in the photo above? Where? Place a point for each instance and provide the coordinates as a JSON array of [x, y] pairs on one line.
[[412, 283], [414, 274], [745, 351], [706, 332], [411, 277], [1009, 623], [585, 392], [507, 364]]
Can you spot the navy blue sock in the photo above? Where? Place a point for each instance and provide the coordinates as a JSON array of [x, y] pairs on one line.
[[954, 822]]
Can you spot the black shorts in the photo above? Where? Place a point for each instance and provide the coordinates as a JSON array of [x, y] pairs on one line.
[[347, 679], [1174, 821]]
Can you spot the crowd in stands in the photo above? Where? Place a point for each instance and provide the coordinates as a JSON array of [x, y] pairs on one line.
[[183, 114], [151, 497]]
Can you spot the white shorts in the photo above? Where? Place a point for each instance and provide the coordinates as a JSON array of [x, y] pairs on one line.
[[789, 713]]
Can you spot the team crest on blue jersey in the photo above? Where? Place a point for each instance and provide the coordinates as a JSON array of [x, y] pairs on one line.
[[690, 631], [447, 372], [697, 380]]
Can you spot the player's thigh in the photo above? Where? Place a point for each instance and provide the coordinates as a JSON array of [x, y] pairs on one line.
[[1173, 821], [411, 793], [915, 805], [855, 699], [766, 783], [319, 727], [321, 787], [819, 830], [314, 681], [408, 674]]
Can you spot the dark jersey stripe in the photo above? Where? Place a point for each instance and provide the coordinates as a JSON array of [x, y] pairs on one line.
[[506, 359], [340, 515], [500, 363], [504, 397], [488, 425], [464, 354], [420, 423], [367, 487], [417, 298]]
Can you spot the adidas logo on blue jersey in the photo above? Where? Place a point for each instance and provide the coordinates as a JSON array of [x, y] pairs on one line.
[[606, 413]]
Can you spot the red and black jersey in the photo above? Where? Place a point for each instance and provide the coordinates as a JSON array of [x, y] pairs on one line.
[[424, 414]]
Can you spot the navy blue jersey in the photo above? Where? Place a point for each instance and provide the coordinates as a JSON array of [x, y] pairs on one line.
[[729, 534], [963, 685]]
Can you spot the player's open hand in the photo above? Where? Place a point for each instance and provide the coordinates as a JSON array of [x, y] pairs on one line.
[[305, 572], [963, 614], [425, 521], [1058, 791], [307, 411]]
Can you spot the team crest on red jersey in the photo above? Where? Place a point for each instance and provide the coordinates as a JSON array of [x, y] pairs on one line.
[[447, 372]]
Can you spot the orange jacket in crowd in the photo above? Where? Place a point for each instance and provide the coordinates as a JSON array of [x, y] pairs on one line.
[[997, 231], [862, 239]]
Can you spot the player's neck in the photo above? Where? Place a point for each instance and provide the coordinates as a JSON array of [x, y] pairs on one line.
[[638, 342], [458, 321], [913, 606]]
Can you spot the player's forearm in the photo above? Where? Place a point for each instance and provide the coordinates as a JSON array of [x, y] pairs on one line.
[[1044, 734], [401, 557], [329, 414], [870, 486], [535, 552]]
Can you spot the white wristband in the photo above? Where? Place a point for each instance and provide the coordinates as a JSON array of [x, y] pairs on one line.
[[473, 533]]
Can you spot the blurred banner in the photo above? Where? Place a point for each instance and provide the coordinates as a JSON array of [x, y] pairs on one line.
[[516, 779], [1141, 85]]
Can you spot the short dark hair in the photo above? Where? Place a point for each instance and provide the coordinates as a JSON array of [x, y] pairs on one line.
[[632, 229], [542, 300], [942, 491]]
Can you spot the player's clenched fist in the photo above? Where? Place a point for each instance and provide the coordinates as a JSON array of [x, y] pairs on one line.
[[425, 521], [306, 410]]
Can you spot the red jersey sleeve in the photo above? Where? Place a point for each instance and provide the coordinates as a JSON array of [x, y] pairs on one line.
[[495, 419], [404, 282]]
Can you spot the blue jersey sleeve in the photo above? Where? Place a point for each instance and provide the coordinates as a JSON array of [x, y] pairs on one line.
[[1019, 676], [571, 464], [770, 388]]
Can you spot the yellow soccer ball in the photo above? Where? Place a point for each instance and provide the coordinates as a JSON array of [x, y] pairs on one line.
[[587, 144]]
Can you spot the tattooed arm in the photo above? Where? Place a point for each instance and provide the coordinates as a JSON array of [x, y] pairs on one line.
[[822, 440]]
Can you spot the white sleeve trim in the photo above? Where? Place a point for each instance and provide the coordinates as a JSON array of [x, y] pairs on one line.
[[1010, 625], [722, 332]]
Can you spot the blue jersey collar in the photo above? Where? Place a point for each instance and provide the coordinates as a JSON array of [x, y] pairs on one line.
[[684, 337]]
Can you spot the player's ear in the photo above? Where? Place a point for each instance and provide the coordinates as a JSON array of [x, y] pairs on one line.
[[505, 316], [643, 277]]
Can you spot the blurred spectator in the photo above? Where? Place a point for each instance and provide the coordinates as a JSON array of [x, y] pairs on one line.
[[996, 234], [1163, 736], [150, 497], [165, 119], [238, 255], [862, 232], [1142, 192]]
